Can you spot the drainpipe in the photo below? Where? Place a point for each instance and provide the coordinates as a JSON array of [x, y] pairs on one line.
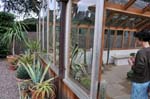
[[108, 45]]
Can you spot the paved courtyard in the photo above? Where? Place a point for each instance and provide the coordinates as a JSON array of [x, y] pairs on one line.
[[8, 85], [118, 87]]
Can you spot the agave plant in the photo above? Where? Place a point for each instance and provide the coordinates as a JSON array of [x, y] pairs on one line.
[[77, 66], [44, 90]]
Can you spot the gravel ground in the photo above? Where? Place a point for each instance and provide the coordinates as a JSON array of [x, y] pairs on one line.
[[8, 84]]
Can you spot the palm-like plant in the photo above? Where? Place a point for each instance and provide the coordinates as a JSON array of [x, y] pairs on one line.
[[14, 33]]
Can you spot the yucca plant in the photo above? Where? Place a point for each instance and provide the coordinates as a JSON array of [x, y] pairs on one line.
[[44, 90], [13, 34]]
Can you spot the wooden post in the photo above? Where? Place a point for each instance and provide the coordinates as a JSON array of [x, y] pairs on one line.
[[43, 28], [62, 45], [54, 33], [48, 13], [97, 51]]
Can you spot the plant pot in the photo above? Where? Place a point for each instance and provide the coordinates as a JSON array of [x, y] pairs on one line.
[[22, 80], [32, 92], [12, 58], [12, 67]]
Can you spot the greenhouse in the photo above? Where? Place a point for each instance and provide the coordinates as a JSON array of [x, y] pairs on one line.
[[84, 45]]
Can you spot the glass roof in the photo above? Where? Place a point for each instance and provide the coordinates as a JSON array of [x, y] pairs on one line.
[[138, 4], [122, 2]]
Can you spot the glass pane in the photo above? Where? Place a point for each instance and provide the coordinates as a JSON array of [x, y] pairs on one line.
[[112, 33], [122, 2], [139, 4], [54, 19], [132, 44], [82, 35], [126, 38], [119, 39]]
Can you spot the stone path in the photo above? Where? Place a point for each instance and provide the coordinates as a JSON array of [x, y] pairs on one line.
[[118, 87], [8, 85]]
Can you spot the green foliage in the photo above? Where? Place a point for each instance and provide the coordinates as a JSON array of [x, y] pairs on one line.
[[86, 81], [33, 45], [44, 90], [22, 73], [31, 24], [26, 58], [6, 21], [77, 66], [14, 33], [36, 71]]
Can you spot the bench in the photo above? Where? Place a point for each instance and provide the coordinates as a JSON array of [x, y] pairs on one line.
[[121, 60]]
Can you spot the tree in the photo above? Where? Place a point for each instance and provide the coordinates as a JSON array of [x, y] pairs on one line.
[[6, 20], [30, 24], [22, 6]]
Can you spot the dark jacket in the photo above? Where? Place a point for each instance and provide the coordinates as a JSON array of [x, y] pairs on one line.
[[141, 67]]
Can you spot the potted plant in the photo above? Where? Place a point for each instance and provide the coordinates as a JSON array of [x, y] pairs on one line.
[[13, 34], [43, 90], [21, 73], [33, 45], [13, 65], [38, 74]]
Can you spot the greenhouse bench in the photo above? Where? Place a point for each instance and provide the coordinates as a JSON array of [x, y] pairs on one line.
[[121, 60]]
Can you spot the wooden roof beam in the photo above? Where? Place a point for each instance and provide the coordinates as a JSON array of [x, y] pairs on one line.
[[125, 21], [131, 11], [120, 28], [128, 4], [110, 17], [147, 8], [140, 23], [144, 26], [116, 20]]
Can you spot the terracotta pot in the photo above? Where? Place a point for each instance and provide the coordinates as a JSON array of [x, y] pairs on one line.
[[22, 80], [12, 67], [32, 91], [11, 58]]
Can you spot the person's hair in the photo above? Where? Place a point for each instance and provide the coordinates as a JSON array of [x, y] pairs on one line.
[[143, 35]]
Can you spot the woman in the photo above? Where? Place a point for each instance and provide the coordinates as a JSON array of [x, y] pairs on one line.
[[141, 67]]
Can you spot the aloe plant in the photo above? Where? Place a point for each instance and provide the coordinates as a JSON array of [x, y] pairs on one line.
[[26, 58], [36, 71], [44, 90], [33, 45], [13, 34]]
